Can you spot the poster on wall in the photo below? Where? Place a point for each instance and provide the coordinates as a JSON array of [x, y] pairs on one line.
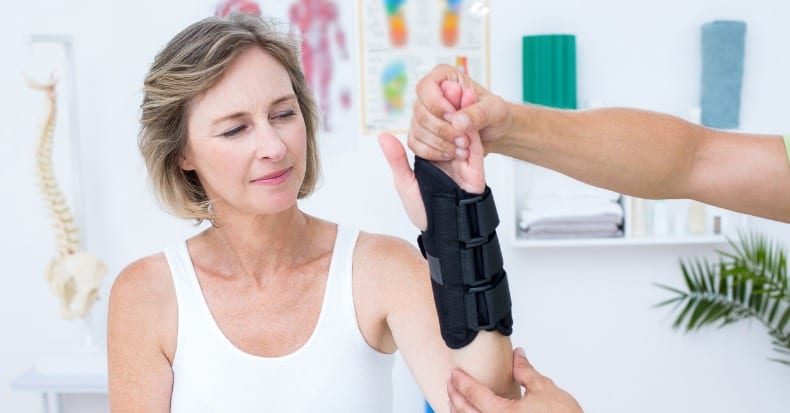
[[325, 28], [402, 40]]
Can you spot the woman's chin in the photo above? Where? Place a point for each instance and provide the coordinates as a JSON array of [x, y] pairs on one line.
[[277, 204]]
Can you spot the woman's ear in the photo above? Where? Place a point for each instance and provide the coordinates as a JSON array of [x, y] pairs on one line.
[[185, 163]]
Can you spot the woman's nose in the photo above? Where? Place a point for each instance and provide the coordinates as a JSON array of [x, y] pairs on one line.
[[269, 144]]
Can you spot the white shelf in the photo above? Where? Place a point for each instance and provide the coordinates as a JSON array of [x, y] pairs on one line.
[[30, 380], [621, 241], [518, 178]]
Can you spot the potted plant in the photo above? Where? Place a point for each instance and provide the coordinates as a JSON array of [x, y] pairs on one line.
[[749, 282]]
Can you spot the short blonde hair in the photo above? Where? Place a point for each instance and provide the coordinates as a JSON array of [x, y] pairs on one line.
[[190, 64]]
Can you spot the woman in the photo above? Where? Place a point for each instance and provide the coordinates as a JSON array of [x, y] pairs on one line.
[[262, 311]]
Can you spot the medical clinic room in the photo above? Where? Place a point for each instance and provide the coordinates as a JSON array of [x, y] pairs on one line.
[[397, 206]]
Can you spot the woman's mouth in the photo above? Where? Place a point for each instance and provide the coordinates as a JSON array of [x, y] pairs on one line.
[[274, 178]]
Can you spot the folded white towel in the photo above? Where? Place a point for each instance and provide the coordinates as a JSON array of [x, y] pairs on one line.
[[572, 212], [573, 227], [558, 233]]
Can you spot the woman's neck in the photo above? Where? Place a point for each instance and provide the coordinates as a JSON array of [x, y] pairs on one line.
[[259, 246]]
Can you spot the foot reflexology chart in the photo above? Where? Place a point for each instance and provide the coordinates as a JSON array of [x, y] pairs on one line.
[[402, 40]]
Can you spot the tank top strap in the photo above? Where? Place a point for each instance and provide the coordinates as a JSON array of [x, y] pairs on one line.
[[180, 264], [341, 273], [192, 309]]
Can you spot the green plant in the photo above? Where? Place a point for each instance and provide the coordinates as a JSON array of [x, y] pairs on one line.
[[748, 282]]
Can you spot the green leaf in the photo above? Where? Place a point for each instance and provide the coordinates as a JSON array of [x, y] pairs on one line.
[[747, 281], [672, 289], [780, 326], [669, 301], [699, 311], [772, 313], [679, 321]]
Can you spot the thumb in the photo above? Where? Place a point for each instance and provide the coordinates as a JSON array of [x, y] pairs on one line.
[[474, 116], [396, 158], [405, 181], [523, 371]]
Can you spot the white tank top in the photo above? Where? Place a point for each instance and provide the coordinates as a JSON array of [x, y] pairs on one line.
[[334, 371]]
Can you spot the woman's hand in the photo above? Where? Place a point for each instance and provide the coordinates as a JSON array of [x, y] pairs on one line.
[[468, 173]]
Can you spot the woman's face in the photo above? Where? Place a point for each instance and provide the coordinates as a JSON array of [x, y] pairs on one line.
[[246, 138]]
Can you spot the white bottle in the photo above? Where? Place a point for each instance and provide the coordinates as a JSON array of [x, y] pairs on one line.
[[678, 211], [639, 218], [660, 218], [697, 218]]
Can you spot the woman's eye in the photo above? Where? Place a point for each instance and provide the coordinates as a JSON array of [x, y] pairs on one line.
[[285, 114], [235, 131]]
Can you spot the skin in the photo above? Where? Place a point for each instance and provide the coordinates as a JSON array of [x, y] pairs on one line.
[[468, 172], [541, 394], [665, 157], [266, 262], [635, 152]]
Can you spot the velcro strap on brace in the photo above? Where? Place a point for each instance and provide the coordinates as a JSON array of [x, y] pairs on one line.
[[469, 282]]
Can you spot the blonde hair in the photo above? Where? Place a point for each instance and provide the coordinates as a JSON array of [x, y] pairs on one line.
[[190, 64]]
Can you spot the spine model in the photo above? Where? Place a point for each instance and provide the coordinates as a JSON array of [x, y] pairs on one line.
[[74, 275], [66, 233]]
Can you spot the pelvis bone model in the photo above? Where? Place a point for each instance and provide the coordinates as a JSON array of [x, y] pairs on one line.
[[75, 275]]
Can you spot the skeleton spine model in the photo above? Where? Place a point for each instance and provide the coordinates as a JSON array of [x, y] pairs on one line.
[[74, 275], [67, 236]]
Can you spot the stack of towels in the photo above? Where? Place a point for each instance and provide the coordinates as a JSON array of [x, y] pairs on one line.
[[557, 207]]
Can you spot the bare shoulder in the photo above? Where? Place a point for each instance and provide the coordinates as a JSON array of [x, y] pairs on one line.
[[143, 290], [141, 336], [385, 255]]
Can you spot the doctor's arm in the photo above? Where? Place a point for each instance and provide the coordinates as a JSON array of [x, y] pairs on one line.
[[631, 151]]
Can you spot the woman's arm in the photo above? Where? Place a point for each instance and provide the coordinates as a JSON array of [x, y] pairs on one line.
[[403, 289], [142, 322], [413, 318]]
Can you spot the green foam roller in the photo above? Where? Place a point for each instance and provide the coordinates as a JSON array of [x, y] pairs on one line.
[[549, 70]]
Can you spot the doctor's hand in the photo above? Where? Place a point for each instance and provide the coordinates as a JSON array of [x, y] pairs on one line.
[[468, 173], [541, 394], [439, 124]]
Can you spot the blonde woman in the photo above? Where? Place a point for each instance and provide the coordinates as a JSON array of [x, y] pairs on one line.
[[269, 309]]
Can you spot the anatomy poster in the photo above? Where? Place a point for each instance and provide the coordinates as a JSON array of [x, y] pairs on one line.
[[325, 28], [401, 40]]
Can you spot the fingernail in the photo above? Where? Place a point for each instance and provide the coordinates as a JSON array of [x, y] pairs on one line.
[[463, 120], [460, 152], [459, 141], [448, 117], [446, 155], [520, 352]]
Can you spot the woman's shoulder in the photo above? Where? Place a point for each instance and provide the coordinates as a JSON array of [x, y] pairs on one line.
[[145, 283], [143, 311], [386, 253]]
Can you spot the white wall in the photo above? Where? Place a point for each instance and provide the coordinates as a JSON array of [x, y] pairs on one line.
[[583, 315]]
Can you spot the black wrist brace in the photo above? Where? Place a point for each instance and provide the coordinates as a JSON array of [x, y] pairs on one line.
[[469, 282]]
